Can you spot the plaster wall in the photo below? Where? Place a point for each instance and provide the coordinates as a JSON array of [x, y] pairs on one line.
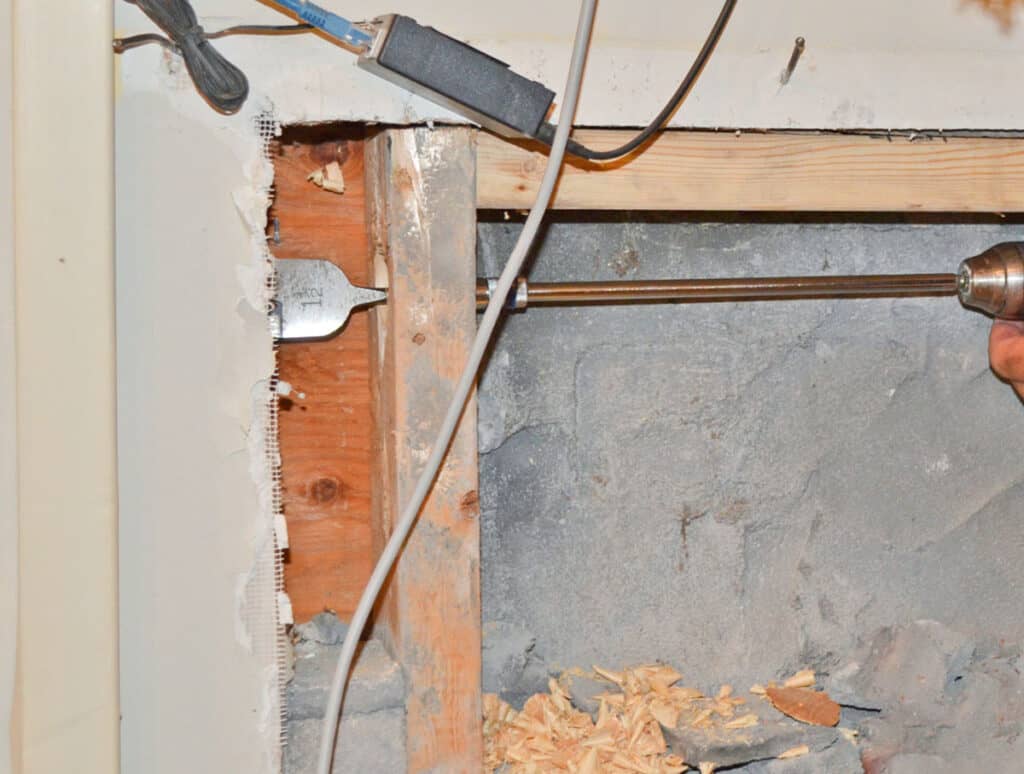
[[744, 490], [872, 64], [194, 354], [8, 404]]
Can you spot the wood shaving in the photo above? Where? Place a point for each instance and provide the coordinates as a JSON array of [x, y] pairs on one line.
[[551, 735], [802, 679], [794, 752], [850, 734], [743, 722], [330, 178]]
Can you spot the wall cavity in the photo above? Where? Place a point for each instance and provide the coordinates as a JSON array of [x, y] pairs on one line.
[[742, 490]]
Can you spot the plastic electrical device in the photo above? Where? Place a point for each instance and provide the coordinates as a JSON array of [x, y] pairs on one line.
[[439, 68], [457, 76]]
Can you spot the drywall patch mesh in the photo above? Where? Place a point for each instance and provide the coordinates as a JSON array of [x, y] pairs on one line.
[[265, 610]]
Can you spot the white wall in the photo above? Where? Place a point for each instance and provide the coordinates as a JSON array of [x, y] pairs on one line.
[[195, 696], [66, 701], [192, 349], [874, 63], [8, 433]]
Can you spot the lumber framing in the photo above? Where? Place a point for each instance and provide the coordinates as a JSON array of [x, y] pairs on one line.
[[780, 172], [326, 435], [422, 217]]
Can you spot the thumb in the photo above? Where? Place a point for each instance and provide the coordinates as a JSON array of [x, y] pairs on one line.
[[1006, 349]]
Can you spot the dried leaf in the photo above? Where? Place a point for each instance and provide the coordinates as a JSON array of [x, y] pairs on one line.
[[794, 752], [805, 705], [802, 679]]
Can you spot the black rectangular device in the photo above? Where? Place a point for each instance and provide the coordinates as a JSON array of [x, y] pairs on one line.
[[457, 76]]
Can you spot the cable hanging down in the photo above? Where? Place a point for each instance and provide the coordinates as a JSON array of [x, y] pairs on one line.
[[465, 385], [582, 151], [220, 82]]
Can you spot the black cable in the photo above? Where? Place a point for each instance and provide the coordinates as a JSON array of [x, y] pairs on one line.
[[260, 29], [547, 131], [134, 41], [222, 84]]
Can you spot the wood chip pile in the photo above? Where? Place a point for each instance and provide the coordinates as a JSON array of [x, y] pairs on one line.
[[551, 735]]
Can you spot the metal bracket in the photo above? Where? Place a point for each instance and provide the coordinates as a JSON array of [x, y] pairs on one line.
[[315, 299]]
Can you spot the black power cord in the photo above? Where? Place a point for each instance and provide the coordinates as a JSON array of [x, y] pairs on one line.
[[222, 84], [547, 131], [134, 41]]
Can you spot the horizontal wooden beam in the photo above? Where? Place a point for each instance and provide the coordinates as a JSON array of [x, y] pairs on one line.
[[703, 171]]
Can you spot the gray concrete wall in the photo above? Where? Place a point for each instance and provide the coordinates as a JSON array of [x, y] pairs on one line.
[[742, 490]]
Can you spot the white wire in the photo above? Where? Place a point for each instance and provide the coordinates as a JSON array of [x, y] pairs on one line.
[[332, 715]]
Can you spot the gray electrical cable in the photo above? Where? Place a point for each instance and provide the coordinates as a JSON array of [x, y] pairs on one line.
[[462, 390]]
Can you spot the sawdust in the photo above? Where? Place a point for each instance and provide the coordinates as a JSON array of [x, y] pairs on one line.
[[551, 735]]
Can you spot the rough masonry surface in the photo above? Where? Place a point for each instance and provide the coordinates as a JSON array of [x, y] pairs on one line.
[[744, 490]]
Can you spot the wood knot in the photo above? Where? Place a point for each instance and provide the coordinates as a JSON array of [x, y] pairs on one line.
[[326, 489], [418, 339], [469, 505]]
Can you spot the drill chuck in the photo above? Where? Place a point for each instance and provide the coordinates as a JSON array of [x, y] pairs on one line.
[[993, 282]]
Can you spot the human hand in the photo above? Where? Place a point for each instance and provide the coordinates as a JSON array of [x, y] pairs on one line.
[[1006, 352]]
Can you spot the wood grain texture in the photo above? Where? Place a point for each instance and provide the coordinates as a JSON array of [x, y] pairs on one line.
[[683, 170], [423, 219], [326, 437]]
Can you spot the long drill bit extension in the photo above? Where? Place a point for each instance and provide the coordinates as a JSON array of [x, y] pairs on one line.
[[315, 298]]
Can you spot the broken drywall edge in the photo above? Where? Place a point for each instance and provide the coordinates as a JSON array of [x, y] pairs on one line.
[[271, 609]]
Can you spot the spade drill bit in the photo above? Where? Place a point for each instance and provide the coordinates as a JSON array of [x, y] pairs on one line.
[[315, 298]]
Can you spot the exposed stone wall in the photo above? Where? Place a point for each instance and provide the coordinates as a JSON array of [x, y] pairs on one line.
[[743, 490]]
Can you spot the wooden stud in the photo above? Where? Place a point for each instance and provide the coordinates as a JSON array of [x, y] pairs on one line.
[[685, 170], [423, 228], [326, 436]]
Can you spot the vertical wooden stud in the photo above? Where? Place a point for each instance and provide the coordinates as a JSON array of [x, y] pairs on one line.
[[421, 184]]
